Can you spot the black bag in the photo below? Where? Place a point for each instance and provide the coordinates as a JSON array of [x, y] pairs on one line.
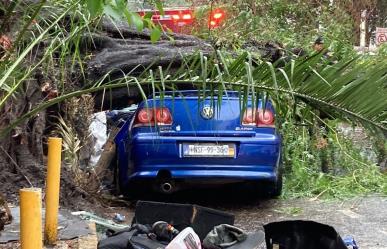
[[134, 238], [201, 219], [299, 234], [142, 241], [118, 240], [230, 237]]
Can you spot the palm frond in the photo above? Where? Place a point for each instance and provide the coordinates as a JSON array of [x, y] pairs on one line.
[[350, 88]]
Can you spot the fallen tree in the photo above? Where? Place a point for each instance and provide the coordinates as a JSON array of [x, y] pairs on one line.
[[66, 58], [108, 49], [119, 50]]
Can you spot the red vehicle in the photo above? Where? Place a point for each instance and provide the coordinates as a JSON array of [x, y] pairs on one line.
[[180, 19]]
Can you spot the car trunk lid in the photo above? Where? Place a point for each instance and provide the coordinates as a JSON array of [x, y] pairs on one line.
[[195, 115]]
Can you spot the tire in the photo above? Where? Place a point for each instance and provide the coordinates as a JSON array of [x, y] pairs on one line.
[[275, 188], [127, 190], [117, 183], [272, 189]]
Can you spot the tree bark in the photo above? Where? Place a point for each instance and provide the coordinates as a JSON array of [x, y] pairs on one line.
[[122, 50]]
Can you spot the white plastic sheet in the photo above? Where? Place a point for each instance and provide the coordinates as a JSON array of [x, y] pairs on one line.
[[98, 130]]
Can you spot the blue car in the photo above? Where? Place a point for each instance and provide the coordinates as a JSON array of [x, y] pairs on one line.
[[184, 138]]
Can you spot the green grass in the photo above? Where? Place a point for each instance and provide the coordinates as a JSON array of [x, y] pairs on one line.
[[306, 182]]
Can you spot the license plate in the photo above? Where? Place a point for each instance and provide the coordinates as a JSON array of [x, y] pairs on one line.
[[208, 150]]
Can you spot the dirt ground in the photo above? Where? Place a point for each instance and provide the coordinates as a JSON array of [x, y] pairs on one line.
[[365, 218]]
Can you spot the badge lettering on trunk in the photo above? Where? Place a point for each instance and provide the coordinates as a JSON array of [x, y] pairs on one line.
[[207, 112]]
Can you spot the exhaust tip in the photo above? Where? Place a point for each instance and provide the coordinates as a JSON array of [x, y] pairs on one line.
[[166, 187]]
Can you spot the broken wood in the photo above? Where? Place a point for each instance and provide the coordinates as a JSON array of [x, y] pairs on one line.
[[108, 153]]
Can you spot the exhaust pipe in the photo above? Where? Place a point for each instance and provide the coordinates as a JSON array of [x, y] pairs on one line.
[[167, 187]]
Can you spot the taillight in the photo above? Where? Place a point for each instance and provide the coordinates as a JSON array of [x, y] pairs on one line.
[[259, 118], [249, 117], [265, 118], [182, 16], [152, 116], [163, 116], [216, 17], [145, 116], [187, 17], [176, 17]]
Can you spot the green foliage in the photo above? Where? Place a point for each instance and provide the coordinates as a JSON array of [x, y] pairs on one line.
[[43, 22], [382, 51], [291, 23], [155, 34], [349, 175], [95, 7], [347, 89], [121, 10]]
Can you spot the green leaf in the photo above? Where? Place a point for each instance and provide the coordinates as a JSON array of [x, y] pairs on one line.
[[112, 12], [121, 4], [148, 15], [134, 19], [147, 20], [95, 7], [155, 34], [137, 21], [159, 6]]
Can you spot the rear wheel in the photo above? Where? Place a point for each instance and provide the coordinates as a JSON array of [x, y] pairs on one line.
[[117, 183], [125, 189], [274, 189], [270, 189]]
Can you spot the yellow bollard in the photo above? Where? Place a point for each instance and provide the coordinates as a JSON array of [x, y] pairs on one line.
[[31, 218], [52, 190]]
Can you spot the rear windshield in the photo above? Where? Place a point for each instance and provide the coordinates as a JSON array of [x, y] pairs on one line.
[[195, 93]]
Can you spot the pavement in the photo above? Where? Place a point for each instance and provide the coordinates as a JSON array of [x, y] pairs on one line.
[[365, 218], [72, 231]]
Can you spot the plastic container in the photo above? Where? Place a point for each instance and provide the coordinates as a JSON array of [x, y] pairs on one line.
[[186, 239]]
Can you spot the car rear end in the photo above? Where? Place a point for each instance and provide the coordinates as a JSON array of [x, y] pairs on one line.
[[183, 18], [175, 19], [183, 138]]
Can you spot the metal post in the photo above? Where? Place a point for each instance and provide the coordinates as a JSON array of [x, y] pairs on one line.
[[52, 190], [31, 218], [363, 28]]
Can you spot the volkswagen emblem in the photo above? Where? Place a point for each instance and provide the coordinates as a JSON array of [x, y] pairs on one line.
[[207, 112]]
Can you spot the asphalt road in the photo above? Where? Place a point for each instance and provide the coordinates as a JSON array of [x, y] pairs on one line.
[[365, 218]]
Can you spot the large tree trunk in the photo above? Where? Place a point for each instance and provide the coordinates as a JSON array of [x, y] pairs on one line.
[[122, 50]]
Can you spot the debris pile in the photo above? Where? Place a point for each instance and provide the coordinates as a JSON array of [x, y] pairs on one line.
[[183, 226]]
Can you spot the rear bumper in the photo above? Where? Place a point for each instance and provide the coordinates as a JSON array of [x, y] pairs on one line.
[[201, 173], [255, 158]]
